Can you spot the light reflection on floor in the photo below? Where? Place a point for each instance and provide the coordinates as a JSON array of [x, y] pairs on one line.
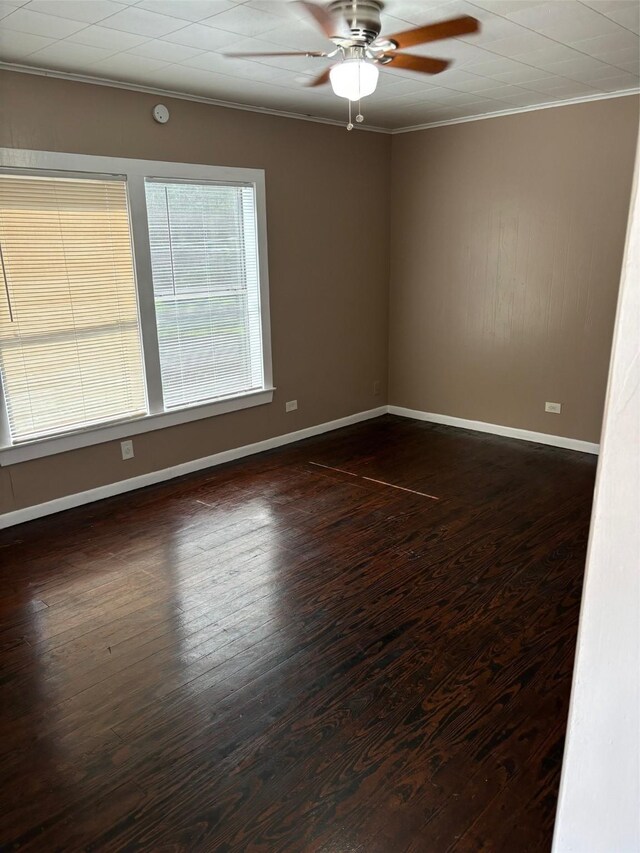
[[174, 615]]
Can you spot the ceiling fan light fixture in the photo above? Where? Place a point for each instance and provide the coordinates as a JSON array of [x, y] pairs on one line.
[[354, 79]]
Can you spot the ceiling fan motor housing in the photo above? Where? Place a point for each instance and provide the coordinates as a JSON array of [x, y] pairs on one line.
[[362, 18]]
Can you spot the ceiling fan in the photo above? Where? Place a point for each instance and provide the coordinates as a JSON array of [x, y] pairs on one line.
[[354, 28]]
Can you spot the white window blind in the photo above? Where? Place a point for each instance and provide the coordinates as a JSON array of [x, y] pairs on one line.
[[70, 348], [204, 258]]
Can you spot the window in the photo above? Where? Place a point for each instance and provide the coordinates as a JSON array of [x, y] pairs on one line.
[[70, 349], [205, 284], [133, 296]]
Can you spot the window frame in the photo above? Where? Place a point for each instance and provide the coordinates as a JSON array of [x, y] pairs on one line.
[[58, 164]]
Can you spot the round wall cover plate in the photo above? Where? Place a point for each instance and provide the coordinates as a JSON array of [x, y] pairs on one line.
[[161, 114]]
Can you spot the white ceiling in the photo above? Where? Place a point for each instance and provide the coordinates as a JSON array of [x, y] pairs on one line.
[[529, 52]]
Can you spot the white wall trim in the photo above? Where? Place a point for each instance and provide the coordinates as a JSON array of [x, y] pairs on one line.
[[201, 99], [14, 454], [183, 96], [583, 99], [497, 429], [69, 501]]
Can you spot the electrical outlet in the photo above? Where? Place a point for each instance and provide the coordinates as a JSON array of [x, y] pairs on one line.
[[291, 406], [556, 408], [376, 388], [127, 449]]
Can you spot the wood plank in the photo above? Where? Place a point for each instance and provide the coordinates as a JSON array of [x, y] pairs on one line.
[[275, 655]]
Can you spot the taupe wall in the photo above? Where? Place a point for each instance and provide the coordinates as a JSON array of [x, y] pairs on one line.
[[506, 247], [328, 299], [507, 243]]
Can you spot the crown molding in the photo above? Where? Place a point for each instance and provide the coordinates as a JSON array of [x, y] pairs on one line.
[[584, 99], [183, 96], [201, 99]]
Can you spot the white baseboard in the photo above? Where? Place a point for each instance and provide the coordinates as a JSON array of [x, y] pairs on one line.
[[69, 501], [496, 429], [29, 513]]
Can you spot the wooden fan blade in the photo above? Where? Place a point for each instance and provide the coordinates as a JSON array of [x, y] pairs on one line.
[[320, 15], [285, 53], [434, 32], [321, 79], [424, 64]]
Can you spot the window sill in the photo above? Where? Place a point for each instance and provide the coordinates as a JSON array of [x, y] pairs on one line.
[[14, 454]]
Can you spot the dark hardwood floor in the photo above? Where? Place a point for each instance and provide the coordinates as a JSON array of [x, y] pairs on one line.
[[276, 655]]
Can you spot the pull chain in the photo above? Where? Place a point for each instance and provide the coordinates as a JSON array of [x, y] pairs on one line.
[[359, 117]]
